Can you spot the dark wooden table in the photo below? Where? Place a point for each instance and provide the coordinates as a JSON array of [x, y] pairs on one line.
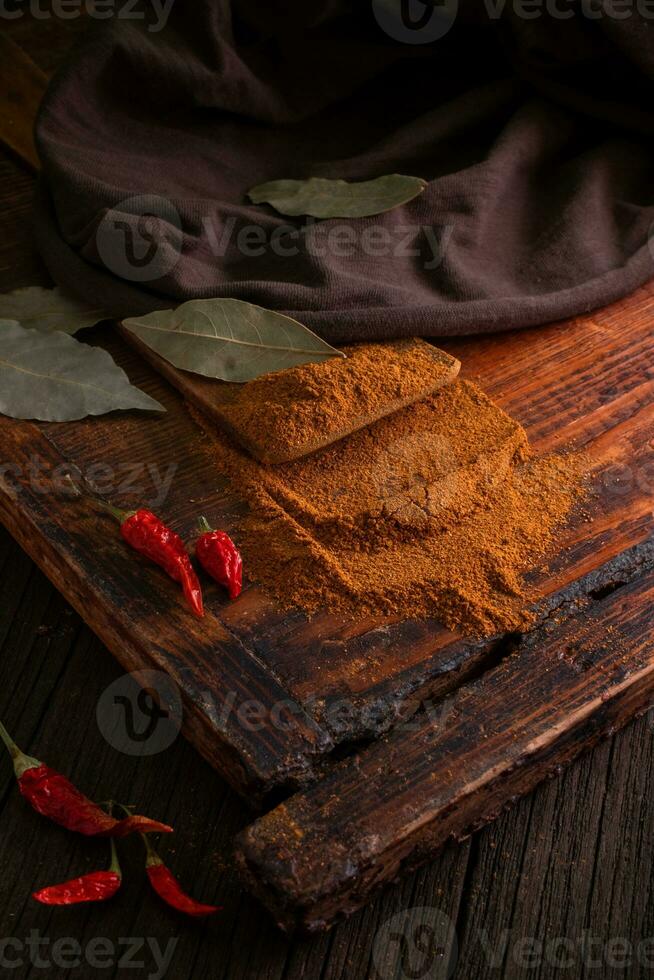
[[558, 886]]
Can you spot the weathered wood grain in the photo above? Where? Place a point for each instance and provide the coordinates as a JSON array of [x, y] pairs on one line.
[[325, 851], [354, 678], [357, 677], [570, 860], [577, 383], [137, 611]]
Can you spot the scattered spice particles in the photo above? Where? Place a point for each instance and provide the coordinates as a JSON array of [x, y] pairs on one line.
[[286, 415], [437, 510], [415, 472]]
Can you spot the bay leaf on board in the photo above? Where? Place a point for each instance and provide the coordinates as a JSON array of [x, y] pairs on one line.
[[322, 198], [49, 309], [54, 378], [229, 339]]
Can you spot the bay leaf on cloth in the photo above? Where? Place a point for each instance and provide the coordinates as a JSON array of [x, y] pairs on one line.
[[322, 198], [49, 309], [54, 378], [229, 339]]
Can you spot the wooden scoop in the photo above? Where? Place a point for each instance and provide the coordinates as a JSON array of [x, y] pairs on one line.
[[271, 441], [298, 423]]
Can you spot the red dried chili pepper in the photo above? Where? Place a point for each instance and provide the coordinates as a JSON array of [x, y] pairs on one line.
[[148, 535], [97, 886], [151, 537], [168, 888], [54, 796], [220, 558]]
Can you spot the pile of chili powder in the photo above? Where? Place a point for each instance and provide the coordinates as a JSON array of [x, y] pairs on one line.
[[437, 510]]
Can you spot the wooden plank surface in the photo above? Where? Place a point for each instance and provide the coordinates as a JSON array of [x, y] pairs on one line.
[[374, 664], [322, 854], [214, 671], [571, 860], [232, 659], [570, 863], [369, 668], [587, 382]]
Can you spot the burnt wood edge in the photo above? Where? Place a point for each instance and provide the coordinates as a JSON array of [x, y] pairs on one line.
[[390, 703], [231, 749], [268, 874]]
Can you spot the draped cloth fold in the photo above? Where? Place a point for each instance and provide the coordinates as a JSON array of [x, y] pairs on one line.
[[534, 134]]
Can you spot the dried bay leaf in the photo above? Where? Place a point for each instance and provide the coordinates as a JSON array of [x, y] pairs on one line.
[[322, 198], [54, 378], [229, 339], [49, 309]]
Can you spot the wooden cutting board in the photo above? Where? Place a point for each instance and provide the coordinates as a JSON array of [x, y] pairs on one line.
[[317, 688], [317, 711]]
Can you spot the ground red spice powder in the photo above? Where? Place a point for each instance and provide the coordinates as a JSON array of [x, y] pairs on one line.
[[287, 414], [437, 510]]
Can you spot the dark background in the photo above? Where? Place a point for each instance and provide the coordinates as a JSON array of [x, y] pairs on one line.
[[572, 859]]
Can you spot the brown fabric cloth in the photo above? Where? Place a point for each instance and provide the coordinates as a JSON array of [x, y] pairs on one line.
[[534, 135]]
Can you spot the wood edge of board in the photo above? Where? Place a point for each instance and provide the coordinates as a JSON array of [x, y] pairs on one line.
[[325, 852]]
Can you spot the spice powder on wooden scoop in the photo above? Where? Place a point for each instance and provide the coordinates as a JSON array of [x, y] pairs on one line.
[[289, 414]]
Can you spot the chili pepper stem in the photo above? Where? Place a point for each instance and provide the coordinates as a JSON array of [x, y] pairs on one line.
[[20, 760], [152, 858], [120, 515], [204, 525], [115, 863]]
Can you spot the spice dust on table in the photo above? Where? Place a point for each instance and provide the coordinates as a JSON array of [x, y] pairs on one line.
[[439, 509]]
